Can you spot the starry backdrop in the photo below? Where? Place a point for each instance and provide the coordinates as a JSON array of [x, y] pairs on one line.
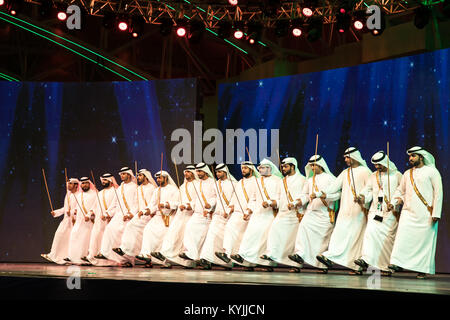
[[82, 127], [404, 101]]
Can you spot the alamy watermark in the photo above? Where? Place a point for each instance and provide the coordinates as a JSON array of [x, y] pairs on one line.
[[74, 280]]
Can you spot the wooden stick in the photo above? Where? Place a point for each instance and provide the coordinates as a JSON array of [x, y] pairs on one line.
[[46, 187], [285, 191], [65, 174], [315, 161], [98, 198], [176, 171], [389, 184], [137, 193], [260, 192], [217, 188]]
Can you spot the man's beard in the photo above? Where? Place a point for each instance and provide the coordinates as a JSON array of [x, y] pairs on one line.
[[286, 173], [246, 175], [415, 163], [107, 184], [85, 189]]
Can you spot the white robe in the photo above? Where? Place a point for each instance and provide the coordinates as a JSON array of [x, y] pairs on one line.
[[282, 233], [315, 229], [134, 231], [379, 236], [197, 226], [108, 198], [155, 230], [415, 243], [346, 240], [214, 238], [81, 231], [112, 237], [172, 244], [254, 241], [236, 225], [60, 244]]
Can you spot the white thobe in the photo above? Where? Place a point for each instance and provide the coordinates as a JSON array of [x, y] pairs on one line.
[[315, 229], [155, 230], [282, 233], [379, 236], [415, 242], [214, 238], [198, 224], [112, 237], [60, 244], [245, 196], [254, 241], [81, 231], [133, 234], [172, 244], [346, 240]]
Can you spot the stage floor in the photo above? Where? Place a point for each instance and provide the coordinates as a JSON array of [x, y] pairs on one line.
[[308, 278]]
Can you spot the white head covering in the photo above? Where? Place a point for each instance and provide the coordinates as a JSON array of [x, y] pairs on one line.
[[191, 168], [318, 160], [273, 168], [74, 180], [381, 158], [109, 177], [128, 170], [148, 175], [224, 168], [354, 154], [292, 161], [428, 158], [251, 166], [204, 167], [166, 174], [86, 179]]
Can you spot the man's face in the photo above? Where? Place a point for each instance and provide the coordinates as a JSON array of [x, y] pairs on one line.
[[348, 161], [161, 180], [106, 183], [85, 186], [140, 178], [287, 169], [414, 160], [264, 170], [188, 175], [201, 174], [221, 175], [380, 168], [315, 168], [72, 186], [125, 177], [246, 172]]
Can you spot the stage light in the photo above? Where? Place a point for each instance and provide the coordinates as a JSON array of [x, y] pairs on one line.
[[358, 25], [225, 28], [137, 26], [238, 34], [166, 26], [308, 8], [122, 25], [359, 19], [239, 29], [61, 11], [307, 12], [233, 2], [62, 16], [343, 22], [13, 12], [15, 6], [251, 41], [281, 28], [314, 29], [181, 31], [345, 6], [181, 27], [135, 34], [296, 27], [2, 2], [422, 16]]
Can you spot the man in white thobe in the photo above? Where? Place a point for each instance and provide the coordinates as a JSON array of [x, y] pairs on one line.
[[60, 244], [163, 205], [133, 234], [205, 205], [420, 193], [173, 240], [87, 210], [381, 223], [282, 233], [346, 240], [108, 206], [317, 222], [242, 205], [128, 208], [254, 241], [214, 237]]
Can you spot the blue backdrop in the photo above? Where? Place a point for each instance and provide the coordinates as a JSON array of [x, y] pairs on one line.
[[81, 127], [404, 101]]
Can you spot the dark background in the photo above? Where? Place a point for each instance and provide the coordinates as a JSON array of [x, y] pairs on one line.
[[404, 101]]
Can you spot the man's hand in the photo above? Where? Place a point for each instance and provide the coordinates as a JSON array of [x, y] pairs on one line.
[[167, 206], [273, 204], [53, 213], [147, 212], [205, 213], [160, 206], [249, 211], [207, 206], [299, 203], [231, 209], [225, 215], [435, 220], [189, 208], [73, 220], [140, 213], [390, 207], [323, 196], [246, 217], [182, 207], [265, 204], [75, 212], [312, 196], [86, 218], [290, 206], [399, 201]]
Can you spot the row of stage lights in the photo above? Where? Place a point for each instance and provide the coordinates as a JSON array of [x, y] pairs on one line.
[[309, 24]]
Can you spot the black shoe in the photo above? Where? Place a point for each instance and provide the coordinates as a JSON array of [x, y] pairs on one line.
[[395, 268], [142, 258], [361, 263], [158, 256], [184, 256], [421, 276], [127, 265], [166, 266], [85, 259], [223, 256], [325, 261], [148, 264], [67, 259], [267, 269], [100, 256], [205, 264], [265, 257], [237, 258], [118, 251], [322, 271], [296, 258], [294, 270]]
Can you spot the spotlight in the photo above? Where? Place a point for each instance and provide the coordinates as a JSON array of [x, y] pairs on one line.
[[135, 34], [281, 28], [233, 2], [359, 19], [181, 27], [296, 27], [422, 16], [165, 28], [308, 8], [196, 31], [224, 30], [2, 2], [15, 6], [307, 12], [343, 22], [122, 25], [238, 34], [137, 26], [61, 11], [346, 6], [314, 29], [239, 29]]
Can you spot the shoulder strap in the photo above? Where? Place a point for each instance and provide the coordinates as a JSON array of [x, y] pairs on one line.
[[429, 208]]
